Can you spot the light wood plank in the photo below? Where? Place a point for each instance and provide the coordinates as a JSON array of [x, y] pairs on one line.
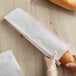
[[61, 21]]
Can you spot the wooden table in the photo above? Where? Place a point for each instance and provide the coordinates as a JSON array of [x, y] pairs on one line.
[[61, 21]]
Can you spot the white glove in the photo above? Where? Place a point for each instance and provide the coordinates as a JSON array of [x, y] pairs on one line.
[[51, 66]]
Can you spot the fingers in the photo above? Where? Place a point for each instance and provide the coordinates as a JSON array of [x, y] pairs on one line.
[[54, 60], [53, 57], [71, 65], [58, 62]]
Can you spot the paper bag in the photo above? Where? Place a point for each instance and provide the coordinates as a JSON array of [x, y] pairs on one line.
[[35, 32], [9, 65]]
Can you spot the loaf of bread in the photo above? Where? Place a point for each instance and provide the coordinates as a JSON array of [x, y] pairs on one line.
[[68, 4], [68, 58]]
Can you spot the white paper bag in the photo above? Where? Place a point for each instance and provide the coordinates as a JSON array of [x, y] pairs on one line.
[[9, 65], [46, 41]]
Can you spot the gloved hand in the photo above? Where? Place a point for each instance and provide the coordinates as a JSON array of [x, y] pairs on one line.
[[51, 66]]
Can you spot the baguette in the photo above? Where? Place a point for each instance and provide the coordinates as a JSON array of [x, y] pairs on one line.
[[68, 58], [68, 4]]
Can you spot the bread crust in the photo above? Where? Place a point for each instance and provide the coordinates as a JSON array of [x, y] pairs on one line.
[[68, 58], [68, 4]]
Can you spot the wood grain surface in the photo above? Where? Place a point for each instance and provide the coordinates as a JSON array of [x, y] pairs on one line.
[[61, 21]]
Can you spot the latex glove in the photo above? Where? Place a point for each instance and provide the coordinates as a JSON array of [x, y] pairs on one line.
[[51, 66]]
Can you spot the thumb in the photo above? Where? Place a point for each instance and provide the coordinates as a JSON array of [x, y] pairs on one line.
[[53, 57], [71, 65], [58, 62]]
